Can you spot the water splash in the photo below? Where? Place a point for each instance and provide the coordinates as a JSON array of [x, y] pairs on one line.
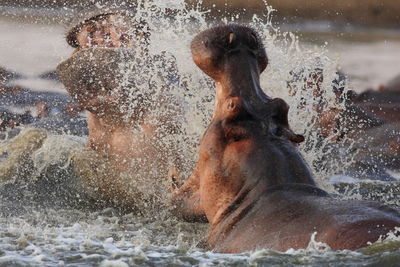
[[168, 75], [162, 78]]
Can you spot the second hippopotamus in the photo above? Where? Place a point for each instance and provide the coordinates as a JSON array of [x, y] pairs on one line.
[[250, 181]]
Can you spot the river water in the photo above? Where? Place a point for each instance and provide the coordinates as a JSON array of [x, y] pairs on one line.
[[52, 228]]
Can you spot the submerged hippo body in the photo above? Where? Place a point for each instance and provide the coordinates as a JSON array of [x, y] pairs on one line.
[[286, 216], [250, 182]]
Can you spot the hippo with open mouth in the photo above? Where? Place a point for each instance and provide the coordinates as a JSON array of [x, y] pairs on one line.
[[250, 182]]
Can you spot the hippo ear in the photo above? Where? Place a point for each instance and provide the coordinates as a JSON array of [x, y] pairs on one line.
[[279, 113]]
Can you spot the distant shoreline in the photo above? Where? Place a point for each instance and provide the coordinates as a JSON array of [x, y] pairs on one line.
[[374, 13]]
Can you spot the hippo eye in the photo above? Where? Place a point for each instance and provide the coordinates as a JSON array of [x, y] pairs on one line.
[[231, 38], [225, 42]]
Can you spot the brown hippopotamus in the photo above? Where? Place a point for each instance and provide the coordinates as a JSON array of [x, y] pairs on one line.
[[250, 182], [90, 76], [345, 118], [128, 138]]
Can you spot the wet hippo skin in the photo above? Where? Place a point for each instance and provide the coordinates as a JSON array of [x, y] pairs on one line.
[[250, 182]]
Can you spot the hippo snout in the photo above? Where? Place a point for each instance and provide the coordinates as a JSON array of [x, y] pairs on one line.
[[212, 48]]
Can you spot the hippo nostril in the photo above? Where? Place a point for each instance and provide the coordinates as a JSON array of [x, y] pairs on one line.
[[233, 107], [232, 104], [231, 37]]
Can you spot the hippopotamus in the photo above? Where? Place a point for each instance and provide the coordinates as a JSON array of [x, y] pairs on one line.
[[91, 76], [250, 182], [346, 118], [350, 122], [125, 134]]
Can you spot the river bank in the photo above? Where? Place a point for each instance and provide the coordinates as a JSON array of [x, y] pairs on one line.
[[367, 59], [381, 13], [343, 13]]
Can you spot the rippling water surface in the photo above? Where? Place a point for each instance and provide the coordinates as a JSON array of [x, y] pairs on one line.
[[75, 238], [61, 230]]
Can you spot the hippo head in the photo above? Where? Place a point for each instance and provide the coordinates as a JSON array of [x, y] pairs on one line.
[[248, 145]]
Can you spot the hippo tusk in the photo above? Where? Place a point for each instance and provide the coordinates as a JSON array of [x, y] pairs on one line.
[[291, 136]]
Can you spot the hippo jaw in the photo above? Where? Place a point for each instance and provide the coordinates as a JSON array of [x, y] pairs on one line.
[[248, 144], [234, 57]]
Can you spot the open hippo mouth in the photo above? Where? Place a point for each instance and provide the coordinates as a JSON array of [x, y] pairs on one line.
[[95, 71], [108, 80], [234, 57]]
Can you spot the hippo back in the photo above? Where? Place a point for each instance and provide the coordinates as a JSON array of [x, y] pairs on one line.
[[286, 216]]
